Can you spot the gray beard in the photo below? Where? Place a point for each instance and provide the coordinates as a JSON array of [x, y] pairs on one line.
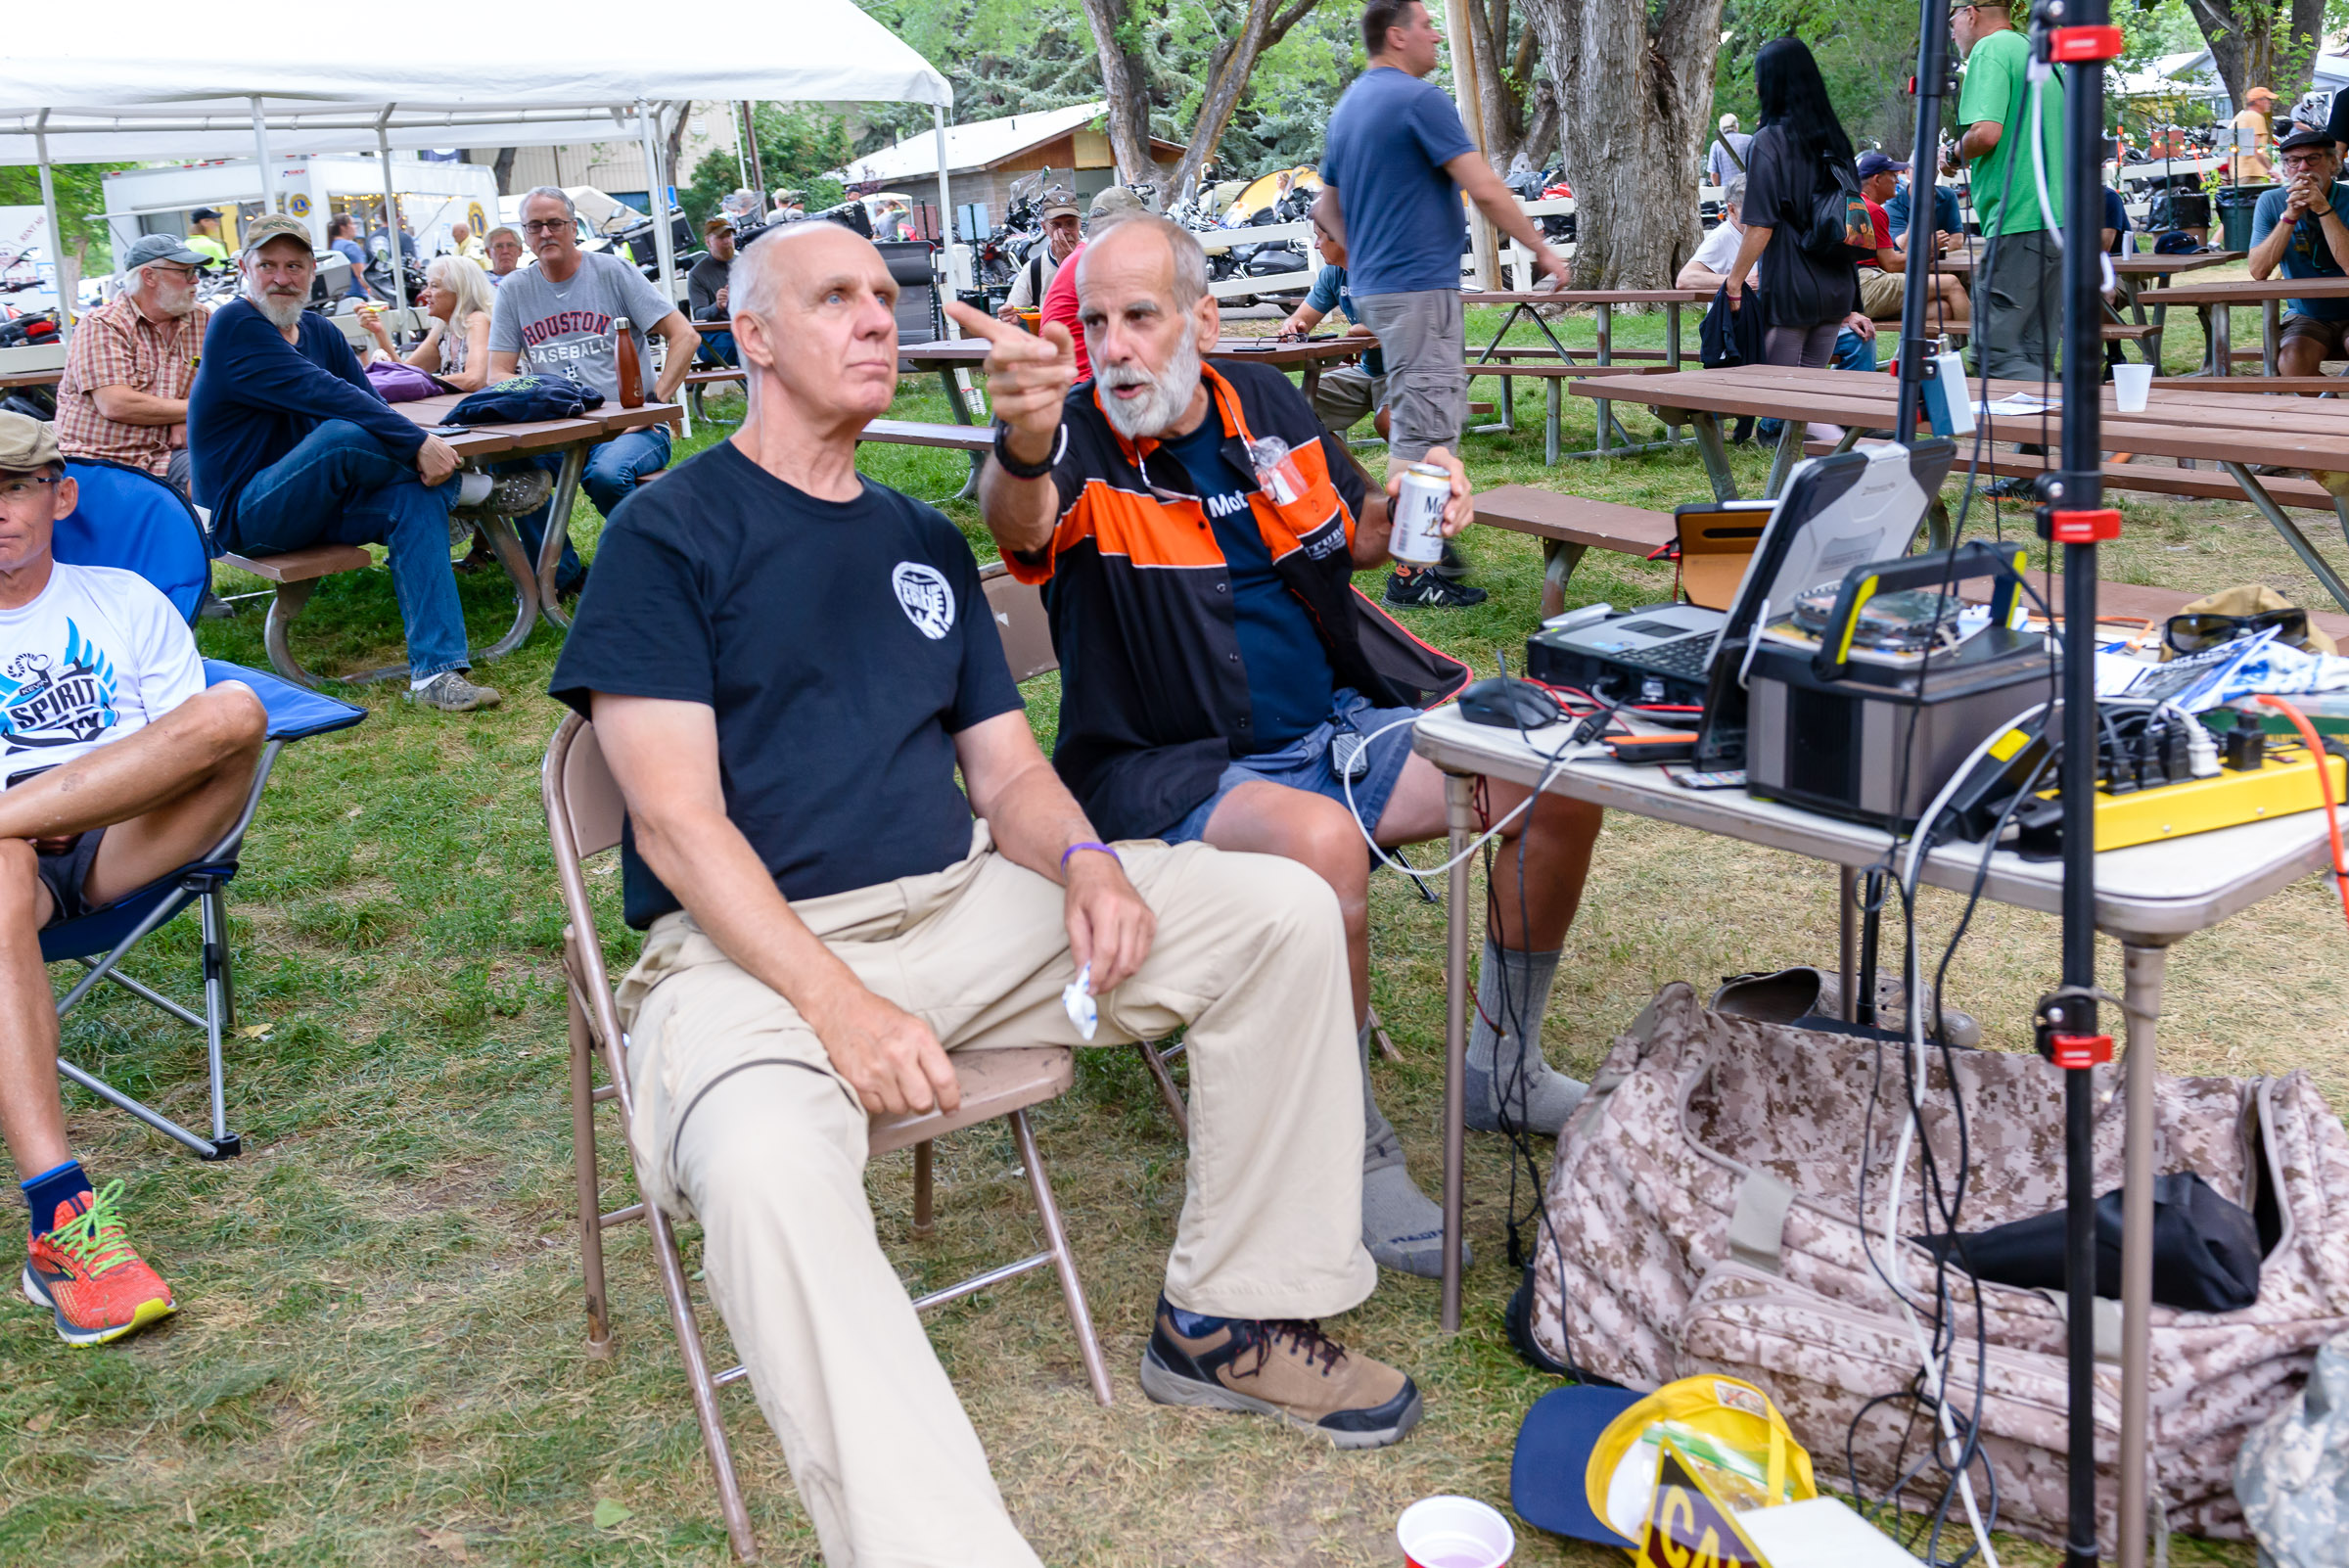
[[1169, 393], [282, 314]]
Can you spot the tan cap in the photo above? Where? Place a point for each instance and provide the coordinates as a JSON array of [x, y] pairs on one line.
[[1117, 202], [2267, 93], [260, 231], [26, 443], [1058, 203]]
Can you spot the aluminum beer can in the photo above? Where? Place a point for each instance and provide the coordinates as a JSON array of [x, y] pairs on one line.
[[1418, 536]]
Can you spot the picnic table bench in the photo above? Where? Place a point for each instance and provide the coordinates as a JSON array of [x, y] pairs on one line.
[[2217, 301]]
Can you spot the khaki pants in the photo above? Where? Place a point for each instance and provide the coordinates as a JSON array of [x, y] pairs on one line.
[[742, 1121]]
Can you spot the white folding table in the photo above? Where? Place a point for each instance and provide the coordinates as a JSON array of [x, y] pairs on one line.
[[2148, 896]]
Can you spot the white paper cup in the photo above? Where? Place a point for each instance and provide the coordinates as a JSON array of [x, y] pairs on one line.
[[1453, 1532], [2131, 385]]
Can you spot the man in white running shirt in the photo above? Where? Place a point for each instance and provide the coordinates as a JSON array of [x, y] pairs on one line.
[[118, 765]]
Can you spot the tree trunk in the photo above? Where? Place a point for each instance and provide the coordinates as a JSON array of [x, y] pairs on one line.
[[503, 169], [683, 110], [1634, 99], [2250, 51], [1126, 83], [1228, 69]]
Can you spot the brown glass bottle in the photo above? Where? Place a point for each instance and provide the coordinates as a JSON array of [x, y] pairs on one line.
[[631, 378]]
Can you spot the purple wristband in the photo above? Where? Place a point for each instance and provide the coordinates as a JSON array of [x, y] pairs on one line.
[[1087, 843]]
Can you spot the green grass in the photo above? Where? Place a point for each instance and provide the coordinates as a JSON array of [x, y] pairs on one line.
[[379, 1354]]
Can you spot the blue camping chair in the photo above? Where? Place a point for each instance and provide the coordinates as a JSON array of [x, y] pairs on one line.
[[130, 520]]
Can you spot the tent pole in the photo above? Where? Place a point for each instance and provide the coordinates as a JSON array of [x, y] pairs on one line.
[[399, 265], [946, 215], [56, 238], [261, 157], [656, 198]]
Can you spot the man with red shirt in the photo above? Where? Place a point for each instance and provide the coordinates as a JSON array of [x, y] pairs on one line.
[[1883, 281], [1060, 300]]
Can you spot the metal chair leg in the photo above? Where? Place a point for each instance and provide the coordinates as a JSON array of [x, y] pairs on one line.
[[1166, 1089], [923, 1227], [705, 1392], [1064, 1260], [583, 1148], [216, 1007]]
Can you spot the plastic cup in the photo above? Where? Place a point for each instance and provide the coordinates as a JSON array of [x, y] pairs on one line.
[[1453, 1532], [2130, 386]]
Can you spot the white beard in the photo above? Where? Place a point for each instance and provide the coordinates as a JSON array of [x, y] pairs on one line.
[[1168, 397], [282, 310]]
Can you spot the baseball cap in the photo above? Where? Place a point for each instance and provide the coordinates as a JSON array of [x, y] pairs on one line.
[[1874, 163], [1117, 202], [714, 225], [2305, 136], [26, 443], [1583, 1462], [203, 213], [1058, 203], [262, 230], [161, 248], [2267, 93]]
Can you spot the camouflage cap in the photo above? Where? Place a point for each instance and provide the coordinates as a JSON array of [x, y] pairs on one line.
[[260, 231], [26, 443], [1117, 202]]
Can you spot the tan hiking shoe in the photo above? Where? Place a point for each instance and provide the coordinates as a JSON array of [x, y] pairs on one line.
[[1287, 1369]]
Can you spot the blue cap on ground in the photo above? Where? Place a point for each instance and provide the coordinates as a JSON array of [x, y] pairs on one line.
[[1550, 1477]]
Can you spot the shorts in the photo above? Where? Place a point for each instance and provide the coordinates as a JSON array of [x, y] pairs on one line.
[[63, 871], [1345, 395], [1422, 337], [1882, 294], [2327, 335], [1304, 764]]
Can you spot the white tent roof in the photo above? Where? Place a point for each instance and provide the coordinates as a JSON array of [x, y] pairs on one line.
[[973, 145], [137, 81]]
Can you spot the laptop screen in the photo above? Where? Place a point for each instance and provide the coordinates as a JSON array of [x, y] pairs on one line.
[[1836, 513]]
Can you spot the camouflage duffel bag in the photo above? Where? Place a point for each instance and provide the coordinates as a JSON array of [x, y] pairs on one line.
[[1704, 1217]]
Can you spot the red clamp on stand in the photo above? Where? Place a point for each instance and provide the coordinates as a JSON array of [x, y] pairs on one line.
[[2073, 1052], [2079, 527], [2079, 46]]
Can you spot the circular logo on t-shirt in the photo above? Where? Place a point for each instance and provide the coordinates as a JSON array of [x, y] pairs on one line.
[[923, 594]]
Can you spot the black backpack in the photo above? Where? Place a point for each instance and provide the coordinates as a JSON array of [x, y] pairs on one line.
[[1840, 227]]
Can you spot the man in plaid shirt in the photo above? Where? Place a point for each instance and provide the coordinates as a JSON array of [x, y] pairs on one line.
[[123, 397]]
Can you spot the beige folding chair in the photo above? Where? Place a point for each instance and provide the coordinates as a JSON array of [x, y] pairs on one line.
[[1027, 632], [584, 816]]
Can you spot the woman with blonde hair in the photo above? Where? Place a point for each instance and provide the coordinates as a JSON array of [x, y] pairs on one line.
[[456, 345]]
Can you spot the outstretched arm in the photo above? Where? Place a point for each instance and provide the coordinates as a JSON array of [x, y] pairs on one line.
[[1027, 380]]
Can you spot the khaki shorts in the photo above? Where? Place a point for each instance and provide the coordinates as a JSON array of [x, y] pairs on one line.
[[1424, 337], [1881, 294]]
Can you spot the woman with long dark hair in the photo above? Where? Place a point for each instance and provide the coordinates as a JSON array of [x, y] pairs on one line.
[[1809, 296]]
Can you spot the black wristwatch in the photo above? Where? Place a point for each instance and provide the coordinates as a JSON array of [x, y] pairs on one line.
[[1027, 471]]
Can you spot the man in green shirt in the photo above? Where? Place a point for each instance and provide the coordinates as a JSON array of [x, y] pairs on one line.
[[2017, 308]]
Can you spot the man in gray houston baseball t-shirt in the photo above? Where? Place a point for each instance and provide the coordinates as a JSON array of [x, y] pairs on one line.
[[556, 319]]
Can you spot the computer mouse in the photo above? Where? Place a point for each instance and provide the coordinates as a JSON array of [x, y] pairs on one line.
[[1507, 703]]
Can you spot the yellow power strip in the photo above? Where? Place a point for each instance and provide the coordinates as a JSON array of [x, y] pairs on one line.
[[2286, 785]]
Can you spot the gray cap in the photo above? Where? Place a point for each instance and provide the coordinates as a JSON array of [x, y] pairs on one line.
[[1117, 202], [26, 443], [161, 248], [276, 226]]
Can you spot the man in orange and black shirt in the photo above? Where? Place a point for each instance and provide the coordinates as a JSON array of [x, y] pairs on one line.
[[1196, 532]]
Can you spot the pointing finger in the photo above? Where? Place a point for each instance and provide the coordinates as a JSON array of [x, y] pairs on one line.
[[977, 324]]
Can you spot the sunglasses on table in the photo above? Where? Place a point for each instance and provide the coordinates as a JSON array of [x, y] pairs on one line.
[[2193, 633]]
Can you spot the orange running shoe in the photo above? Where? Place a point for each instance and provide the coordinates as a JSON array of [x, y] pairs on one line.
[[85, 1271]]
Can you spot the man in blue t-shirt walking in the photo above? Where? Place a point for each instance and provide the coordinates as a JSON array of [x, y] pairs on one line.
[[2299, 227], [1397, 161]]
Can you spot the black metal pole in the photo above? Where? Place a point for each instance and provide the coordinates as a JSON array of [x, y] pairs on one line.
[[1924, 178], [2077, 519]]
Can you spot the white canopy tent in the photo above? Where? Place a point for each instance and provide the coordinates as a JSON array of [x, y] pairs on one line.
[[138, 82]]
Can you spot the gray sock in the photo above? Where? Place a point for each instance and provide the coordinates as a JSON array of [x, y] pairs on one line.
[[1401, 1225], [1513, 987]]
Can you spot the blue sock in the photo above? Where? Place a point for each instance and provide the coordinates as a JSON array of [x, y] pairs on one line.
[[44, 1192], [1194, 1325]]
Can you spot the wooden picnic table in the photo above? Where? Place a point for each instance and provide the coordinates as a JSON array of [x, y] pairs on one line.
[[573, 437], [1529, 303], [2218, 301], [2130, 271], [2231, 431], [11, 379]]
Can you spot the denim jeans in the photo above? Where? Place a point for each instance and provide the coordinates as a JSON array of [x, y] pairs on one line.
[[717, 347], [612, 469], [341, 486]]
